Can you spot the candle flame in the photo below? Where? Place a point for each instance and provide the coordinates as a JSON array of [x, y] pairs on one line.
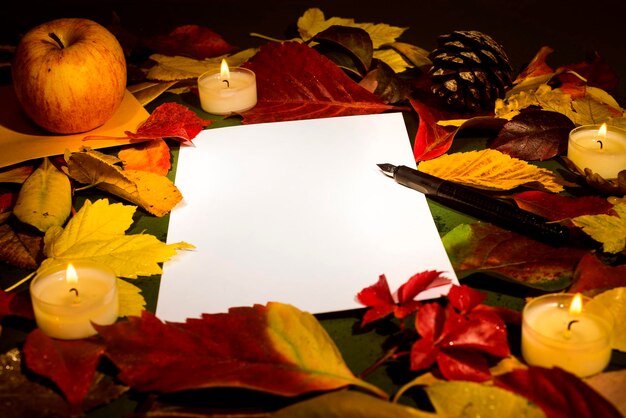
[[602, 131], [576, 307], [224, 72], [70, 275]]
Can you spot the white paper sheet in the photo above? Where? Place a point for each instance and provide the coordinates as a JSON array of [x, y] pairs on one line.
[[296, 212]]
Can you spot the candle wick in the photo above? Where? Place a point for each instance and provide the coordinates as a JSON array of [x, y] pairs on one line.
[[73, 289], [600, 143], [228, 85], [569, 326]]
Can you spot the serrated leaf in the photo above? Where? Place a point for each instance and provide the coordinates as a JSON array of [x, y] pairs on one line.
[[490, 169], [154, 193], [606, 229], [45, 199], [96, 233], [177, 68], [132, 303], [613, 300], [469, 399]]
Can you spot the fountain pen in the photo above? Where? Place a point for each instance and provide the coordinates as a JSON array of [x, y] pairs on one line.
[[479, 205]]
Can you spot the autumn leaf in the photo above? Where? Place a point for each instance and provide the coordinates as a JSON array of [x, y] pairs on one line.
[[97, 233], [296, 82], [45, 199], [606, 229], [614, 302], [70, 364], [490, 169], [611, 386], [20, 248], [15, 174], [534, 135], [153, 156], [147, 91], [192, 41], [432, 139], [562, 394], [353, 41], [154, 193], [16, 304], [482, 247], [131, 302], [555, 207], [592, 276], [276, 349]]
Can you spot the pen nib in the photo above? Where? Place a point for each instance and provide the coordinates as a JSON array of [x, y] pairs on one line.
[[388, 169]]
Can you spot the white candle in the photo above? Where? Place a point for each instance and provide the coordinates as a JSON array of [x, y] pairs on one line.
[[229, 91], [67, 300], [553, 336], [603, 153]]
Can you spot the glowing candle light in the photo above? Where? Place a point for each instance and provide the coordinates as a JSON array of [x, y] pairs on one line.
[[229, 91], [602, 149]]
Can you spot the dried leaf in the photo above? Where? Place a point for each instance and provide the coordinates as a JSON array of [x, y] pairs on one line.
[[20, 248], [505, 254], [45, 199], [613, 300], [153, 156], [276, 349], [131, 302], [592, 276], [149, 90], [490, 169], [15, 174], [556, 207], [534, 135], [469, 399], [296, 82], [386, 85], [354, 41], [97, 233], [154, 193], [607, 229], [192, 41]]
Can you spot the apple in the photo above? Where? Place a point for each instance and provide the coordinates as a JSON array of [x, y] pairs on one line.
[[69, 75]]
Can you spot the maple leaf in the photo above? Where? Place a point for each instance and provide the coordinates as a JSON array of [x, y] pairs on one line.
[[153, 156], [191, 40], [171, 120], [381, 302], [562, 394], [296, 82], [486, 248], [613, 303], [153, 192], [131, 302], [592, 276], [70, 364], [556, 207], [96, 233], [490, 169], [276, 349], [607, 229]]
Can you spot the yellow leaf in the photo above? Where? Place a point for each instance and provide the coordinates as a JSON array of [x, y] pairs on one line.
[[415, 55], [313, 22], [97, 233], [132, 303], [149, 90], [489, 169], [154, 193], [45, 199], [175, 68], [613, 300], [393, 59], [607, 229]]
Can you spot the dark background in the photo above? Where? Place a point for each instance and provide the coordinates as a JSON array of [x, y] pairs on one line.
[[522, 27]]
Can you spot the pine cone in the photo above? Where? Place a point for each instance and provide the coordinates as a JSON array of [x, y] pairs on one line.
[[470, 70]]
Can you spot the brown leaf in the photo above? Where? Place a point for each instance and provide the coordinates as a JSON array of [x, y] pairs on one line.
[[355, 41], [20, 249]]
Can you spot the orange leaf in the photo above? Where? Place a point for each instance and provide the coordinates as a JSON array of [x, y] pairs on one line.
[[153, 156]]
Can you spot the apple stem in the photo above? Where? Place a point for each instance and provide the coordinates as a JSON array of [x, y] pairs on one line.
[[56, 39]]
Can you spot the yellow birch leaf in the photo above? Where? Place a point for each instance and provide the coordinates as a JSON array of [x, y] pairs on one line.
[[489, 169], [154, 193], [45, 199], [132, 303], [97, 234], [606, 229]]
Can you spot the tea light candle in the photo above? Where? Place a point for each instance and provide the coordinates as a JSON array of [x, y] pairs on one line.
[[558, 331], [67, 300], [229, 91], [599, 148]]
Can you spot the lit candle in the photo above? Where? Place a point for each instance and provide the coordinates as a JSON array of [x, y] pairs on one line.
[[67, 300], [229, 91], [558, 331], [601, 149]]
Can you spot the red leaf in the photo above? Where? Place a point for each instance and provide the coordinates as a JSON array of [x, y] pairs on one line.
[[378, 297], [418, 283], [70, 364], [558, 393], [423, 354], [555, 207], [596, 72], [192, 41], [16, 304], [592, 276], [484, 332], [170, 120], [430, 320], [432, 140], [464, 298], [463, 365], [7, 201], [537, 66], [296, 82]]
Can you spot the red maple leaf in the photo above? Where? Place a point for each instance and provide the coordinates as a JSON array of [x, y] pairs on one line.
[[192, 41], [296, 82], [382, 303], [171, 120], [459, 336]]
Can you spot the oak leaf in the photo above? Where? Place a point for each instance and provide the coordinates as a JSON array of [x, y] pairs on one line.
[[606, 229], [153, 156], [97, 233], [154, 193], [276, 349], [490, 169]]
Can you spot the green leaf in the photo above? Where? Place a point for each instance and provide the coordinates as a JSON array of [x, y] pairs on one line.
[[469, 399], [45, 199], [607, 229]]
